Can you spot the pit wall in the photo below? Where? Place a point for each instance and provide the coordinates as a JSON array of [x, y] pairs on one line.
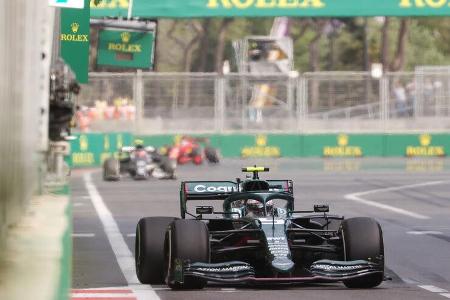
[[90, 150]]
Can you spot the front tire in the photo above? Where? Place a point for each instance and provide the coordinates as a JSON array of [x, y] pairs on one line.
[[149, 249], [363, 239], [186, 240]]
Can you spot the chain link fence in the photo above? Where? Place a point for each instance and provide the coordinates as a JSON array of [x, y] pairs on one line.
[[108, 103], [175, 101], [310, 103]]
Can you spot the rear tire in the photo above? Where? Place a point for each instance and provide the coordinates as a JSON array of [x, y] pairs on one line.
[[186, 240], [168, 166], [149, 249], [111, 169], [212, 155], [363, 239]]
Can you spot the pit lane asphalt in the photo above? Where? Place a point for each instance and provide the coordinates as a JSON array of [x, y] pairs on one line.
[[417, 250]]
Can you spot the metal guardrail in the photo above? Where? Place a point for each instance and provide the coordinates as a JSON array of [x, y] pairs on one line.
[[151, 103]]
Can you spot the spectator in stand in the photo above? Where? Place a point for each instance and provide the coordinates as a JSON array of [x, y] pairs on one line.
[[400, 99], [411, 92]]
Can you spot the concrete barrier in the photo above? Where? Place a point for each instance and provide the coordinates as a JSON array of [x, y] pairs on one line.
[[37, 256]]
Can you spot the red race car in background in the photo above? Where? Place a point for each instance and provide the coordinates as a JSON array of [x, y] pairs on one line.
[[191, 149]]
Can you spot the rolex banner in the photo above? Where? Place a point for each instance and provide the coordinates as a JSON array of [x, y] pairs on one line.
[[74, 40], [298, 8], [270, 8], [126, 49]]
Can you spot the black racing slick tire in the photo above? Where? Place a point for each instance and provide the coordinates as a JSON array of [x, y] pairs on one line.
[[149, 249], [363, 239], [186, 240], [111, 169], [212, 155]]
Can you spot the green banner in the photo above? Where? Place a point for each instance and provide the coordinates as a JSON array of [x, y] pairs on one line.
[[90, 150], [270, 8], [74, 40], [127, 49], [321, 145], [342, 145], [295, 8], [241, 145], [418, 145]]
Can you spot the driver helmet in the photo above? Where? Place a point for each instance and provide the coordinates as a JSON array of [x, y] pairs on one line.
[[139, 144], [254, 208]]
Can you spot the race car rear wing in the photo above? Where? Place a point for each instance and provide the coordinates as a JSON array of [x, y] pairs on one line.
[[205, 190], [220, 190], [208, 190]]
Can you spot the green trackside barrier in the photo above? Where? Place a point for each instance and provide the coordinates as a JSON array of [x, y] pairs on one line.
[[241, 145], [286, 145], [417, 145], [91, 149], [343, 145], [321, 145]]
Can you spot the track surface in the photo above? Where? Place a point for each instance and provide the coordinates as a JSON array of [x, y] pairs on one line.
[[417, 246]]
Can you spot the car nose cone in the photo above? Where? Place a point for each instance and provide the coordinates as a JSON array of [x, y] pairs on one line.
[[282, 265]]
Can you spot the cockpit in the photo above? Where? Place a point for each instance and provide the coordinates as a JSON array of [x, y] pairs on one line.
[[260, 207]]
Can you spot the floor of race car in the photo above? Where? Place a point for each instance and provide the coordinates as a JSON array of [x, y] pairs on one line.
[[409, 197]]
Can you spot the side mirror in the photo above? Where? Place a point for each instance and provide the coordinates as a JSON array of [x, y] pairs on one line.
[[320, 208], [204, 210]]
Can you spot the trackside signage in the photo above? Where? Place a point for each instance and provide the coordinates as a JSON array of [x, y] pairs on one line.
[[426, 148], [74, 39], [342, 149], [298, 8], [261, 148], [90, 150], [129, 49]]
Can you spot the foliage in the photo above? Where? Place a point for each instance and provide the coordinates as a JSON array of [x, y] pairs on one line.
[[427, 42]]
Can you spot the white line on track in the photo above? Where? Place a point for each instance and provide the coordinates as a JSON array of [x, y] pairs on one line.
[[103, 295], [131, 235], [432, 288], [101, 289], [357, 197], [123, 255], [80, 235], [423, 232], [435, 289], [433, 227]]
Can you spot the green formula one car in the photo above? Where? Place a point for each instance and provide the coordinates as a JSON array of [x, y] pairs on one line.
[[256, 237]]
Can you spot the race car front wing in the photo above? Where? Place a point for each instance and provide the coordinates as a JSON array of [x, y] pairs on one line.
[[241, 272]]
